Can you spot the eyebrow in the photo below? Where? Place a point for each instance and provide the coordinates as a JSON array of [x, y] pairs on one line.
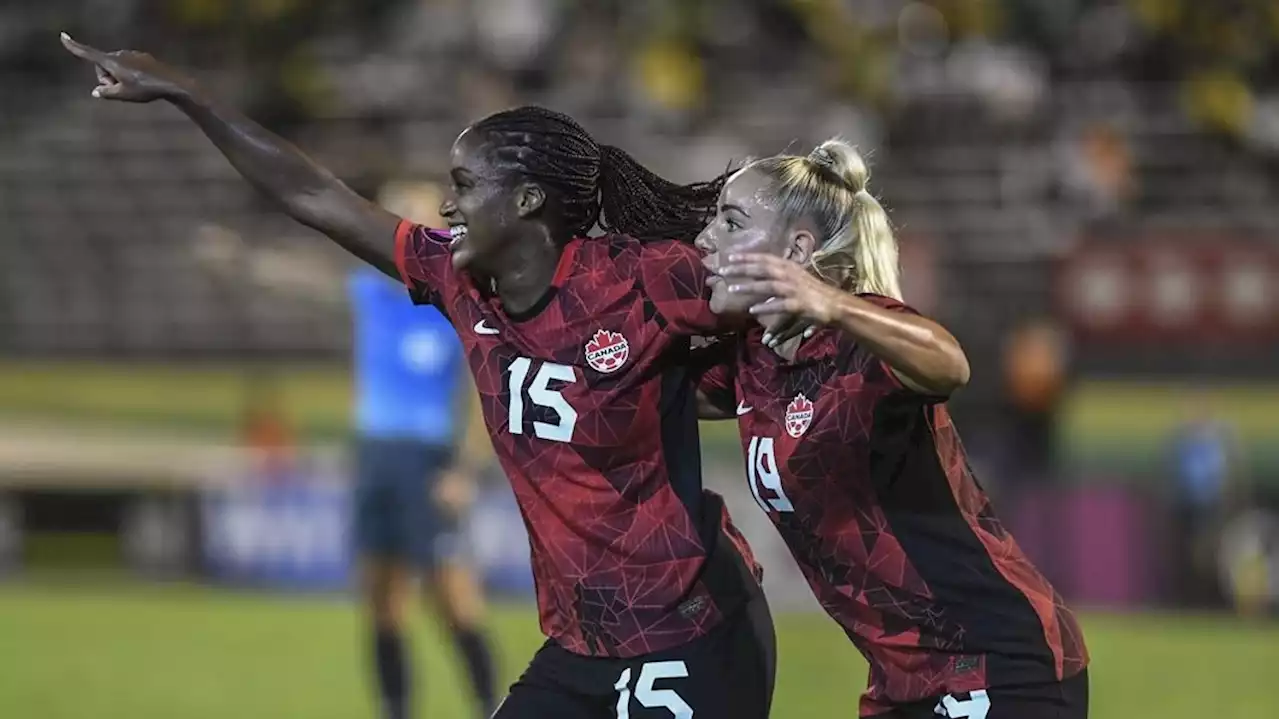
[[726, 207]]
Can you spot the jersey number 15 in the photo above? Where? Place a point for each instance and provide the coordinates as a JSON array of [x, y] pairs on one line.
[[540, 395]]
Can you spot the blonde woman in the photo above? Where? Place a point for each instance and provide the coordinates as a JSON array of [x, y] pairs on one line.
[[851, 452]]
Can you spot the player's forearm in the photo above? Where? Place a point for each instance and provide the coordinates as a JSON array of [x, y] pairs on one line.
[[920, 351], [307, 192]]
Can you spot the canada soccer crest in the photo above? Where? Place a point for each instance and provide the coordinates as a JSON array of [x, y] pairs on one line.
[[607, 351], [799, 415]]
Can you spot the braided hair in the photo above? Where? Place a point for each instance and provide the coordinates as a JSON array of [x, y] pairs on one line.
[[596, 183]]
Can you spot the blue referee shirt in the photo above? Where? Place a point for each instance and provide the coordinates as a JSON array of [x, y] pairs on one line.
[[407, 363]]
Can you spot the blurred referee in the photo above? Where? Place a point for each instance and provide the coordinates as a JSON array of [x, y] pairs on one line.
[[412, 484], [415, 471]]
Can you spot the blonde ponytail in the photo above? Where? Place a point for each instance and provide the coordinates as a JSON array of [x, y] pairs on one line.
[[875, 250], [857, 251]]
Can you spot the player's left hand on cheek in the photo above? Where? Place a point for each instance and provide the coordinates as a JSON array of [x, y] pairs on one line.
[[790, 290]]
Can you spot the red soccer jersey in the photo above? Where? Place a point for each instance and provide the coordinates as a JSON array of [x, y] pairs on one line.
[[869, 485], [591, 409]]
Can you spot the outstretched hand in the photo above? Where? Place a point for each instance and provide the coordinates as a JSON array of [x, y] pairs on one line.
[[129, 76], [798, 300]]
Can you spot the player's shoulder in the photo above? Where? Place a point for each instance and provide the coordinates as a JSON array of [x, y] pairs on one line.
[[889, 303], [670, 253], [668, 275], [622, 249], [605, 250], [840, 351]]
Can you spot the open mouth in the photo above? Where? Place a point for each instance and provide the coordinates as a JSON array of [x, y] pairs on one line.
[[457, 233]]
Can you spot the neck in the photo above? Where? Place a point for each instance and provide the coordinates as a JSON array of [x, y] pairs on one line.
[[524, 274]]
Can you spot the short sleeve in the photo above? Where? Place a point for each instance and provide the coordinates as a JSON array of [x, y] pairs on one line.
[[675, 281], [422, 257], [888, 303], [875, 370], [714, 365]]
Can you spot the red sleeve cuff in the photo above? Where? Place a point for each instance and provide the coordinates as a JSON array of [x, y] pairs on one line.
[[403, 231]]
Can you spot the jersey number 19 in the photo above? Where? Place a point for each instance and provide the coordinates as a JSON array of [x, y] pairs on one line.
[[764, 477]]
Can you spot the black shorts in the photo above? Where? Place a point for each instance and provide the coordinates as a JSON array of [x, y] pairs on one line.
[[1068, 699], [727, 674], [396, 517]]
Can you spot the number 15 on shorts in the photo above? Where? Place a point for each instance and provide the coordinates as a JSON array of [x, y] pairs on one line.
[[975, 707], [649, 697]]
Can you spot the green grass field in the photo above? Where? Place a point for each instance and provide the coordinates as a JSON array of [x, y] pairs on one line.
[[147, 652]]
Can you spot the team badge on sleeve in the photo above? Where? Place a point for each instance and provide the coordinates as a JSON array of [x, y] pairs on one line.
[[607, 351], [799, 415]]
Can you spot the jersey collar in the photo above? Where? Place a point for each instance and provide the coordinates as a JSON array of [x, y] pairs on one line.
[[564, 268]]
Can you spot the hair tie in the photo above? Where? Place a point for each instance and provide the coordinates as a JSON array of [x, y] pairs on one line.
[[822, 157]]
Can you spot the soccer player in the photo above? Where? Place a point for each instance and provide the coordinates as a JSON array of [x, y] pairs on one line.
[[648, 595], [851, 452]]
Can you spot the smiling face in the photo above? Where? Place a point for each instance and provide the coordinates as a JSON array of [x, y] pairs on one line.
[[487, 204], [748, 219]]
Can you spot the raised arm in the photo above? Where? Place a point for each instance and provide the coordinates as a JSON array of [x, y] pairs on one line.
[[306, 191], [921, 353]]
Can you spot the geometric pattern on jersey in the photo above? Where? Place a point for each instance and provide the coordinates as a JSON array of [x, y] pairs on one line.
[[880, 509], [630, 555]]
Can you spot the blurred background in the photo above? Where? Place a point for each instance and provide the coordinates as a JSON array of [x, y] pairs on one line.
[[1085, 192]]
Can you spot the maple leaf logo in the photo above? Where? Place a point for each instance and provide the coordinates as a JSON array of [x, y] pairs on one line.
[[799, 415], [607, 351]]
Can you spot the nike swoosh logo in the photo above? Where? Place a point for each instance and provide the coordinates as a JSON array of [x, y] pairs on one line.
[[743, 409], [482, 329]]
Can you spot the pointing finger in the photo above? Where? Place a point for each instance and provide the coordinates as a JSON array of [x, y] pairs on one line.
[[83, 52]]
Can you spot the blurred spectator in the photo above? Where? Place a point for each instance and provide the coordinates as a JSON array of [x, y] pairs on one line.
[[1247, 561], [1201, 453], [1097, 169], [266, 430], [1034, 367], [513, 34]]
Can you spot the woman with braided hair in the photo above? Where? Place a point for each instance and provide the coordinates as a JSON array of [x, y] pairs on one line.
[[648, 595], [853, 456]]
